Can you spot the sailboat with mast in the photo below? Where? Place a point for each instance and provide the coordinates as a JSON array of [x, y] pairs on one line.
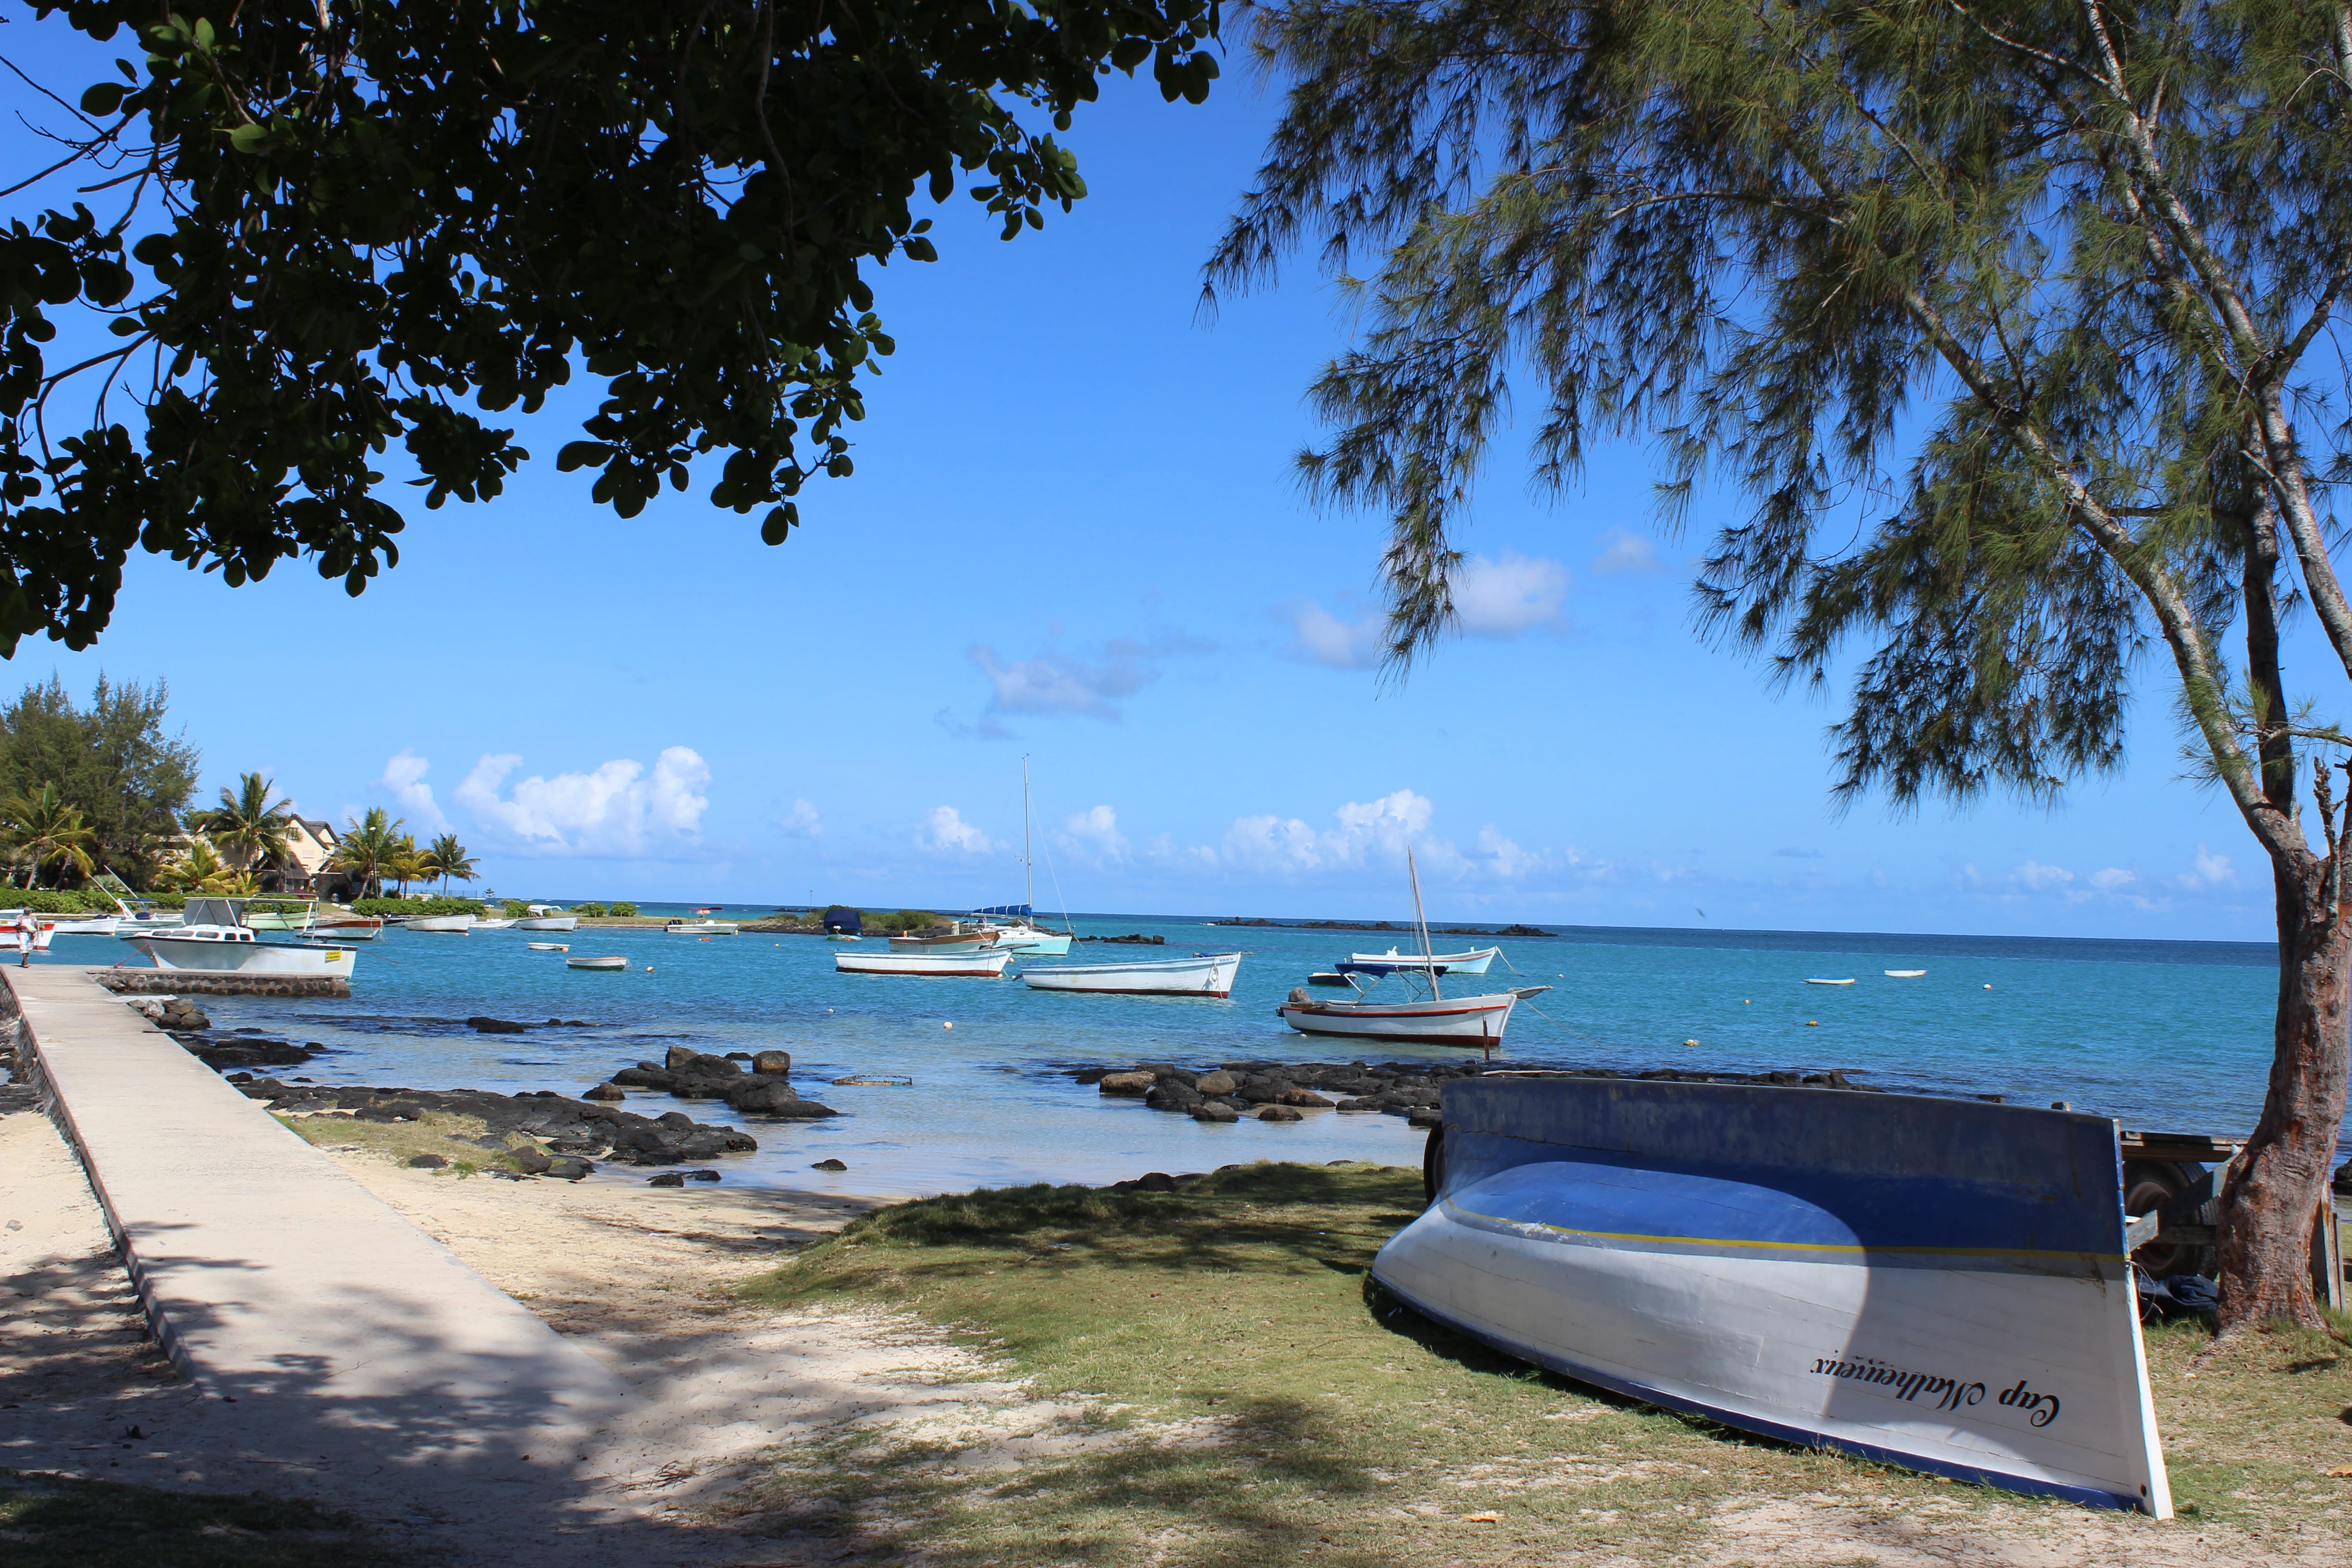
[[1022, 935], [1437, 1019]]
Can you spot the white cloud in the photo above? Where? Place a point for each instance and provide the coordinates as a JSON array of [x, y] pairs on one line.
[[1622, 552], [1097, 830], [617, 809], [946, 830], [803, 822], [2112, 879], [1506, 858], [404, 776], [2040, 877], [2207, 869], [1288, 846], [1320, 637], [1057, 683], [1503, 598]]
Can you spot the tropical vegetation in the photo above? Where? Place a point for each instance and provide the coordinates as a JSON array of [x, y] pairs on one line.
[[247, 827], [369, 848], [2042, 300], [449, 860], [43, 831], [113, 760]]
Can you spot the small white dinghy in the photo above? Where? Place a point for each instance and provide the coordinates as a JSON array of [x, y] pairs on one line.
[[971, 965], [460, 924], [548, 946], [1845, 982], [1905, 974], [1202, 974], [585, 961], [1473, 962]]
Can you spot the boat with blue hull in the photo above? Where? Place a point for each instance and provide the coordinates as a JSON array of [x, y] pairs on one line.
[[1935, 1283]]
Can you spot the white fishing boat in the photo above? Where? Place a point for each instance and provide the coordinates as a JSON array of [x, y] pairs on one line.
[[1015, 925], [585, 961], [970, 965], [460, 924], [959, 940], [1939, 1284], [700, 927], [548, 922], [1905, 974], [1026, 941], [1811, 982], [344, 926], [11, 935], [216, 940], [1202, 974], [1473, 962], [1434, 1020], [548, 946], [488, 924]]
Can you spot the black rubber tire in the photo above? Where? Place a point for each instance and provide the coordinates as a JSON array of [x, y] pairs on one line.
[[2148, 1185], [1432, 1164]]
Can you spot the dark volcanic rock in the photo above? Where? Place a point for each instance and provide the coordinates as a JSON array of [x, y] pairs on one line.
[[772, 1064], [569, 1168], [1215, 1111], [1171, 1097], [828, 1166], [496, 1025], [667, 1179], [1149, 1182], [1277, 1113], [532, 1159], [427, 1162], [606, 1092]]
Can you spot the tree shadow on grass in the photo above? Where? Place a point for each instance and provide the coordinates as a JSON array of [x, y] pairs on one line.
[[1259, 1495]]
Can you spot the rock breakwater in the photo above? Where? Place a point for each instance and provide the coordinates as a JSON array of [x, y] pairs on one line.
[[757, 1083], [575, 1134]]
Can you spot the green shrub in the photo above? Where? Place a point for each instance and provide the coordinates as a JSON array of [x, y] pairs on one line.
[[55, 900], [513, 909], [589, 912], [906, 920], [418, 907], [625, 911]]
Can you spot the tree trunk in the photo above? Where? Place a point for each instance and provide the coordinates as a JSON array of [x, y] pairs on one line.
[[2272, 1195]]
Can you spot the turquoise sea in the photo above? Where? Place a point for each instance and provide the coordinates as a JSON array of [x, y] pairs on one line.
[[2172, 1036]]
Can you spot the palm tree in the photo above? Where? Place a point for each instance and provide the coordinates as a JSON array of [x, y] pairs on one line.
[[245, 826], [44, 829], [447, 858], [369, 848], [197, 870], [407, 864]]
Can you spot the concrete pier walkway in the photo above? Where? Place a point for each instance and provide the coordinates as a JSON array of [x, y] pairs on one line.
[[350, 1343]]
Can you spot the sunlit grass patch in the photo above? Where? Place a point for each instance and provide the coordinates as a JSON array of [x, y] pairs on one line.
[[2250, 1438], [49, 1522], [435, 1132]]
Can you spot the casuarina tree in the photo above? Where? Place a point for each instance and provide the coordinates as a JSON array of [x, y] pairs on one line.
[[316, 227], [2059, 282]]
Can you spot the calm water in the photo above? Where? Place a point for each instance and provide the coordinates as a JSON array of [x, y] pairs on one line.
[[2160, 1035]]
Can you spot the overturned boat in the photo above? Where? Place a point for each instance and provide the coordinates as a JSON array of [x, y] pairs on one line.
[[1934, 1283]]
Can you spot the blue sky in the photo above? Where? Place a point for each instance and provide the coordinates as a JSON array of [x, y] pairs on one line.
[[1073, 534]]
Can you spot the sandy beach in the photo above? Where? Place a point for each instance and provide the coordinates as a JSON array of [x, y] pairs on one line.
[[729, 1394]]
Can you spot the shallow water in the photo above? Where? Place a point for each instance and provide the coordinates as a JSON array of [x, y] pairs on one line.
[[2160, 1035]]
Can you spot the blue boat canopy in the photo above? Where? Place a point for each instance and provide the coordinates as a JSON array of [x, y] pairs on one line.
[[1010, 911], [1383, 971], [841, 918]]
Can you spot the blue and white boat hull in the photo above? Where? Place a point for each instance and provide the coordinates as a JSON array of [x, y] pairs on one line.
[[1934, 1283]]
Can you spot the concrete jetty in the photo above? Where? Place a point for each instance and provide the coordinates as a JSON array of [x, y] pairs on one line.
[[197, 983], [350, 1342]]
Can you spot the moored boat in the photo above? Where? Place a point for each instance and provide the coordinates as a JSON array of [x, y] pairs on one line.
[[1473, 1021], [133, 912], [978, 965], [958, 940], [609, 962], [460, 924], [1905, 974], [1812, 982], [1473, 962], [548, 946], [1202, 974], [216, 939], [11, 935], [1941, 1284], [487, 923], [548, 922], [699, 928]]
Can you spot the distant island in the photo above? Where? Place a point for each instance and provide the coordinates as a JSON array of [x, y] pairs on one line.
[[1386, 925]]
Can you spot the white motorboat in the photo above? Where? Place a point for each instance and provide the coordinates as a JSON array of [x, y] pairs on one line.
[[12, 936], [460, 924], [1940, 1284], [585, 961], [700, 927], [548, 922], [1473, 962], [216, 940], [501, 924], [548, 946], [1202, 974], [1905, 974], [344, 926], [135, 912], [1026, 941], [973, 965], [1811, 982]]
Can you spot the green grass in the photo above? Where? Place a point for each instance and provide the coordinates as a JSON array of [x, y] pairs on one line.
[[1256, 1400], [436, 1132], [47, 1522]]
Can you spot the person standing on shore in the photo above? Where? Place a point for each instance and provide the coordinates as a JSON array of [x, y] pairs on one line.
[[29, 930]]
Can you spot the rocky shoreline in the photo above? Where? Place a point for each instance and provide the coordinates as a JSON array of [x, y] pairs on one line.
[[1278, 1091]]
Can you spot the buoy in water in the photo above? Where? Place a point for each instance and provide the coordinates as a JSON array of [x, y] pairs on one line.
[[1812, 1023], [649, 969], [947, 1026], [1690, 1042], [1988, 987]]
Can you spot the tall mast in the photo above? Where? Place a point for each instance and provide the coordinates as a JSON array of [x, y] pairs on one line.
[[1421, 920], [1028, 861]]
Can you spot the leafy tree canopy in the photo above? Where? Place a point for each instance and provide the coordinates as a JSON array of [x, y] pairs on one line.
[[324, 225], [111, 761]]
